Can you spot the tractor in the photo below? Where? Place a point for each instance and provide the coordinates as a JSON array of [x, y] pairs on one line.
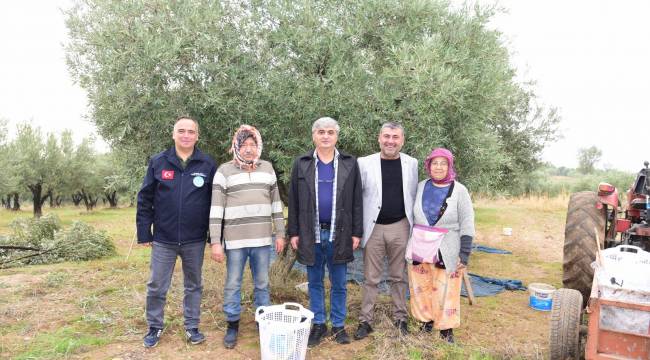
[[596, 221]]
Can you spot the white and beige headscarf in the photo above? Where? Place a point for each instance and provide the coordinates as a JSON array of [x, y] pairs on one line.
[[243, 133]]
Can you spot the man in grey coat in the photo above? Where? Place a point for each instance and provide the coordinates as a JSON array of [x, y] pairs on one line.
[[389, 181]]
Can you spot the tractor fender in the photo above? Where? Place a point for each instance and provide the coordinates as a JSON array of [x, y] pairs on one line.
[[607, 197]]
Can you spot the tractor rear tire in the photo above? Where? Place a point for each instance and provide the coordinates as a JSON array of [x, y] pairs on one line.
[[566, 317], [583, 221]]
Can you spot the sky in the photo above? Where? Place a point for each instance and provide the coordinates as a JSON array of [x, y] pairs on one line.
[[589, 59], [34, 81]]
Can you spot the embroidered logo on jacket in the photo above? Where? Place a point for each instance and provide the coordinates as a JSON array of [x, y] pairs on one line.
[[168, 174]]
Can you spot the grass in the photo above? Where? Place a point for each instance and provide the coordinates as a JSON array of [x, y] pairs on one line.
[[95, 309], [56, 279], [60, 343], [487, 216]]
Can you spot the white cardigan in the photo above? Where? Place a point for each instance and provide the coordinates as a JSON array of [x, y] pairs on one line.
[[458, 219]]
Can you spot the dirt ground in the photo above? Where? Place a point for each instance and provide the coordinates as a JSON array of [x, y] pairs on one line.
[[94, 310]]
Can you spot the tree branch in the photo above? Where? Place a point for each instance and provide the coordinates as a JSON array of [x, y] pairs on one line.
[[13, 247], [4, 263]]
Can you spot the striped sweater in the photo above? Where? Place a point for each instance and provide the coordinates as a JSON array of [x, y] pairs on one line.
[[247, 204]]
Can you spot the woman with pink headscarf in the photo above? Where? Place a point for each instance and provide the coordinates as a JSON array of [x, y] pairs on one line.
[[440, 245]]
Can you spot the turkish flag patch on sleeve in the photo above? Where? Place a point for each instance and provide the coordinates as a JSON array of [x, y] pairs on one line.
[[168, 174]]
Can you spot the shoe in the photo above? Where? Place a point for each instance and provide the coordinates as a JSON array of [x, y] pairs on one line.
[[152, 338], [427, 327], [318, 331], [194, 336], [230, 340], [340, 335], [447, 335], [363, 331], [403, 327]]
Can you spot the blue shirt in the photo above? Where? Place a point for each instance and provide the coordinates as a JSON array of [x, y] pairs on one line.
[[432, 199], [325, 191]]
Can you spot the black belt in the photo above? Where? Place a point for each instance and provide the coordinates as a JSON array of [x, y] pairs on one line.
[[325, 226]]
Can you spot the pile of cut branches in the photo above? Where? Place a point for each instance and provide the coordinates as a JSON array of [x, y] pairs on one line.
[[44, 241]]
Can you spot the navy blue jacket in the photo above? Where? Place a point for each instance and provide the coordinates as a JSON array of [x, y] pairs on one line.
[[175, 201]]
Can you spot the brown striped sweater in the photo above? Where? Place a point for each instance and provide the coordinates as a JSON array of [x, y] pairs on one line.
[[247, 204]]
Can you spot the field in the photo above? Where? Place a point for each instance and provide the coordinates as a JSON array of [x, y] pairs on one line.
[[95, 310]]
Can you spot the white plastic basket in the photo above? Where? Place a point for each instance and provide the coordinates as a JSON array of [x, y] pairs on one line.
[[284, 331]]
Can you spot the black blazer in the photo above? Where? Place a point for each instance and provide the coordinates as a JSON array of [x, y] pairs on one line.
[[302, 207]]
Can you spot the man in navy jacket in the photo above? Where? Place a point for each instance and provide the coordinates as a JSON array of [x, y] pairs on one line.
[[175, 199]]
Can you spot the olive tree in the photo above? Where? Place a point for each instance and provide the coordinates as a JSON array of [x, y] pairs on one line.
[[9, 188], [35, 163], [279, 65]]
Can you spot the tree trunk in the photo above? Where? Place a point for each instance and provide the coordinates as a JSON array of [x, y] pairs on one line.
[[37, 193], [284, 192], [16, 202], [286, 259], [44, 199], [84, 197], [283, 188], [93, 201], [111, 197], [59, 200], [50, 195], [76, 198], [89, 201]]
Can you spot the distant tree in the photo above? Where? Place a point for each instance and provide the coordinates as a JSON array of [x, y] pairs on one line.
[[87, 182], [563, 171], [279, 65], [127, 176], [54, 157], [9, 191], [117, 179], [34, 163], [587, 159], [69, 177]]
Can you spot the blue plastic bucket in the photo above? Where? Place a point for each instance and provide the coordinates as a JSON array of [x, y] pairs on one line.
[[541, 296]]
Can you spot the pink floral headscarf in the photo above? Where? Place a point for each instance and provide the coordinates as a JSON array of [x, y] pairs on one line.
[[451, 172]]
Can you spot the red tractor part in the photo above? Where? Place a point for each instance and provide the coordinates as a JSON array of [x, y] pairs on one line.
[[598, 214]]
